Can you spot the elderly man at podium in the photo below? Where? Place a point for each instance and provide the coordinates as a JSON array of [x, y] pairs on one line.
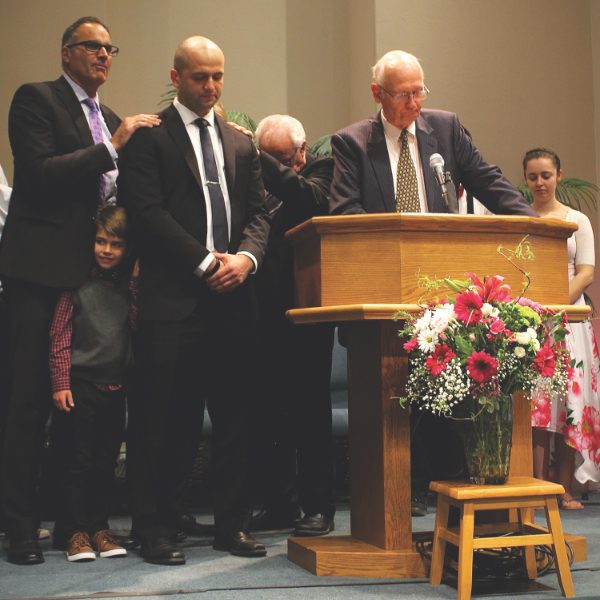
[[382, 164]]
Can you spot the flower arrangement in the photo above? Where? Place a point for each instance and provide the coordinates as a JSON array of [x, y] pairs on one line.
[[468, 354]]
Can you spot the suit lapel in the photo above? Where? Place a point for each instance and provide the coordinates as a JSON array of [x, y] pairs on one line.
[[228, 153], [380, 162], [178, 132], [428, 146], [67, 96]]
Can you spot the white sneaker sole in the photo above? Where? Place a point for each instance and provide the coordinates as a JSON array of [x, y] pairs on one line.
[[81, 557], [115, 552]]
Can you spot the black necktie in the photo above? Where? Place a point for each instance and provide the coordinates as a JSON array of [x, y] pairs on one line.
[[217, 202]]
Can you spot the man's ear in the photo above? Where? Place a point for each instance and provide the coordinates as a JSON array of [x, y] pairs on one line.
[[376, 91]]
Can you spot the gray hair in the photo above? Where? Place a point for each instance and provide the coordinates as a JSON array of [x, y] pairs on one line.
[[390, 60], [281, 122]]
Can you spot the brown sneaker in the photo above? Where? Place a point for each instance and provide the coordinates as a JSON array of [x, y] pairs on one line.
[[106, 545], [79, 548]]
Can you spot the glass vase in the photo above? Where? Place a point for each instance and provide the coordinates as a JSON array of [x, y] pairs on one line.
[[487, 440]]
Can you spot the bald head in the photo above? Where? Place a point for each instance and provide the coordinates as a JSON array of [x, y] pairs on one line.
[[197, 73], [194, 45]]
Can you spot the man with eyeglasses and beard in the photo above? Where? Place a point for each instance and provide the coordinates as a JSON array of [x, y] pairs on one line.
[[65, 146], [381, 164]]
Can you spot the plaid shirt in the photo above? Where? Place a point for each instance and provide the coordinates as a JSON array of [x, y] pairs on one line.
[[61, 333]]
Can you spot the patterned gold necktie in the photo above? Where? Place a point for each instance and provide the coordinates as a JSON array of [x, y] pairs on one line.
[[407, 192]]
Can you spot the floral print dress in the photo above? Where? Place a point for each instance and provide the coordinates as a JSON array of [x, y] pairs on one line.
[[578, 416]]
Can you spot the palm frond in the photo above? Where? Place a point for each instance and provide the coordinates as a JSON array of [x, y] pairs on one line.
[[321, 147], [241, 118]]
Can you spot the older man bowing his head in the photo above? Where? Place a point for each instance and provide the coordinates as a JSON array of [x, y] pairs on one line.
[[382, 163]]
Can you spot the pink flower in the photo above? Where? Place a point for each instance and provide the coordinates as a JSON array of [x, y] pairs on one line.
[[497, 326], [544, 361], [467, 307], [533, 305], [572, 437], [481, 367], [492, 289], [540, 410], [590, 428], [436, 362], [411, 345]]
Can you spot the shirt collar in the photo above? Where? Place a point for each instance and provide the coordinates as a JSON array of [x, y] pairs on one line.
[[79, 91], [189, 116], [393, 132]]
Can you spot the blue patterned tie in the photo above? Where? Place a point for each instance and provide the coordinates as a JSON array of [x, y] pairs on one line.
[[96, 130], [217, 202]]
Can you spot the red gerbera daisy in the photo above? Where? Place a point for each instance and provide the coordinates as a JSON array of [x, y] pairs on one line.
[[481, 367], [436, 362], [467, 307]]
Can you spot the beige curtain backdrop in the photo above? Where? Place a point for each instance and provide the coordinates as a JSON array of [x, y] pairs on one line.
[[520, 73]]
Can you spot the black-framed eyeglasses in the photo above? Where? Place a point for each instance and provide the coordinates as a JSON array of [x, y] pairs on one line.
[[288, 162], [407, 96], [92, 47]]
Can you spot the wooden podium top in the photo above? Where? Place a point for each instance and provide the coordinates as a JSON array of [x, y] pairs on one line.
[[379, 259]]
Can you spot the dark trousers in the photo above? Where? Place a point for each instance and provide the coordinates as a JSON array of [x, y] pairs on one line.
[[86, 443], [30, 309], [294, 466], [180, 367]]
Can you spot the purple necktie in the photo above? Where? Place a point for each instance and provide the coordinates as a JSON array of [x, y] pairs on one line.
[[96, 129]]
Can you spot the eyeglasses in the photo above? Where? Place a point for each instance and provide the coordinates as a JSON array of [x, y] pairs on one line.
[[407, 96], [288, 162], [92, 47]]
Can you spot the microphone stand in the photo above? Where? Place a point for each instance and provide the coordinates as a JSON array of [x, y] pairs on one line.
[[449, 194]]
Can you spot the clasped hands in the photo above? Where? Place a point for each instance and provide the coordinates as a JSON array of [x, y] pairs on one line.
[[233, 272]]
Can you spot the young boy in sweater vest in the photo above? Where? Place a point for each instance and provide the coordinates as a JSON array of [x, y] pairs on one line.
[[90, 353]]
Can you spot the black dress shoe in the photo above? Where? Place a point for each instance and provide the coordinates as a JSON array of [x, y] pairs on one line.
[[160, 551], [313, 525], [189, 526], [25, 552], [240, 543], [418, 505], [268, 521]]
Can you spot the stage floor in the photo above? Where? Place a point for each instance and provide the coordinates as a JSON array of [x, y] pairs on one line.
[[218, 576]]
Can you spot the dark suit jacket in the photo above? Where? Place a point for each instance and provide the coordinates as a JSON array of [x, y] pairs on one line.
[[159, 184], [293, 198], [363, 182], [49, 231]]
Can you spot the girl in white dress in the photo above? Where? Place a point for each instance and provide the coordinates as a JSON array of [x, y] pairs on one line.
[[576, 420]]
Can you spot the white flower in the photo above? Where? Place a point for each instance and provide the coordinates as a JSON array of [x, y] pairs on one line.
[[532, 333], [428, 340], [519, 351], [522, 338], [486, 309], [472, 337], [423, 322], [535, 345]]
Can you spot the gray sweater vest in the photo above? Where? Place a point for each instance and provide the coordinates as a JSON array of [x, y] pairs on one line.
[[101, 341]]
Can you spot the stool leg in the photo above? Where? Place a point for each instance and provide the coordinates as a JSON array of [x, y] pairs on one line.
[[528, 551], [465, 551], [558, 547], [439, 542]]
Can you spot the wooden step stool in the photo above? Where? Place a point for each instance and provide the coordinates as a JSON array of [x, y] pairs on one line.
[[520, 494]]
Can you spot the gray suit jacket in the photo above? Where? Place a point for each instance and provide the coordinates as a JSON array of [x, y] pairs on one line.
[[363, 182]]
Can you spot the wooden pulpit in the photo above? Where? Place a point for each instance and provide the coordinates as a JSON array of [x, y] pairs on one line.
[[359, 270]]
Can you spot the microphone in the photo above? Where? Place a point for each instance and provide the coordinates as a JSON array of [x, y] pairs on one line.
[[436, 162]]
